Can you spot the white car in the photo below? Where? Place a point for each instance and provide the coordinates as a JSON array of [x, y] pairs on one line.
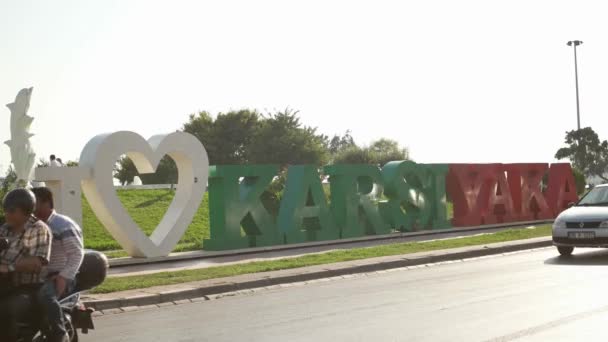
[[584, 224]]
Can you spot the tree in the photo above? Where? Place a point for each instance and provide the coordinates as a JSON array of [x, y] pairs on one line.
[[378, 153], [353, 155], [244, 137], [200, 125], [226, 138], [339, 143], [247, 137], [125, 170], [282, 139], [386, 150], [579, 179], [166, 172], [586, 152]]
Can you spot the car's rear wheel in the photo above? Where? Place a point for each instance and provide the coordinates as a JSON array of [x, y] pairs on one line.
[[565, 250]]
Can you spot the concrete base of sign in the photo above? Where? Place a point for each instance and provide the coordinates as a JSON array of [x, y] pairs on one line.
[[393, 237]]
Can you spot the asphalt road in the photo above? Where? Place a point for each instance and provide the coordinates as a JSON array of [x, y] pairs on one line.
[[526, 296]]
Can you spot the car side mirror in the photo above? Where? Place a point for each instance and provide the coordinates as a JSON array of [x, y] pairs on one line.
[[571, 204]]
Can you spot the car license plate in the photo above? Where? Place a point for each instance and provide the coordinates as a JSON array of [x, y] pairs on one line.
[[581, 235]]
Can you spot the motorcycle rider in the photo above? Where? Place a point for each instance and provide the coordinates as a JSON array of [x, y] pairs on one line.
[[23, 262], [66, 256]]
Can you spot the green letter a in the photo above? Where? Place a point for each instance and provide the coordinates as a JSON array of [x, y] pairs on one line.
[[304, 214]]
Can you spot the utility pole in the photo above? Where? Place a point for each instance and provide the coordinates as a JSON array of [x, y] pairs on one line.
[[576, 43]]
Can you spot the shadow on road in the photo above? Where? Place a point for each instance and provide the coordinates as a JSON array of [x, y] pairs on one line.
[[596, 258]]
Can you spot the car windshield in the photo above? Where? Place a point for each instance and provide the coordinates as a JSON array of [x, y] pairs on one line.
[[597, 196]]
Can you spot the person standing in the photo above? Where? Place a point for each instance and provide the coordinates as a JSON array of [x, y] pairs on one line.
[[66, 256], [54, 162]]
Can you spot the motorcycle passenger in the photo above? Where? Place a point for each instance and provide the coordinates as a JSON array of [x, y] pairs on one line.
[[23, 262], [66, 256]]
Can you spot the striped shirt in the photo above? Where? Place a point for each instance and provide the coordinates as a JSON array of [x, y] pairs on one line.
[[68, 250], [34, 241]]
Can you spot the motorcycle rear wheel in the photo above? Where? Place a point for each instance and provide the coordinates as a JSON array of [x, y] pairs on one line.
[[69, 327]]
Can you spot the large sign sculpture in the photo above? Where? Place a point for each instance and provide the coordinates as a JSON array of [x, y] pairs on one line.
[[190, 157], [22, 154], [414, 196]]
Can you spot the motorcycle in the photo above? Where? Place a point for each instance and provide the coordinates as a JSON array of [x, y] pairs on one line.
[[92, 273], [76, 316]]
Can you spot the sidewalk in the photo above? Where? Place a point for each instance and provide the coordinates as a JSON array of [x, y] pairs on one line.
[[202, 290]]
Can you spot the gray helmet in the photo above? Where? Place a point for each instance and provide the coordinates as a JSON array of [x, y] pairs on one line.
[[22, 199]]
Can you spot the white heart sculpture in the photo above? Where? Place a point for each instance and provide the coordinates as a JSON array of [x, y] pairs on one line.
[[100, 155]]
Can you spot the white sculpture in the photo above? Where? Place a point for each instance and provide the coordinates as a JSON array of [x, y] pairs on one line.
[[22, 154], [65, 183], [100, 155], [137, 181]]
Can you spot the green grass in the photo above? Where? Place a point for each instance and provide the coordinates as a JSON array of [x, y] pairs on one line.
[[168, 278], [146, 207]]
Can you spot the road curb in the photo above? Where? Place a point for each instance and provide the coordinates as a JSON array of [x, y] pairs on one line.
[[146, 297]]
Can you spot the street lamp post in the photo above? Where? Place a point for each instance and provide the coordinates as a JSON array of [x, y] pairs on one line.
[[576, 43]]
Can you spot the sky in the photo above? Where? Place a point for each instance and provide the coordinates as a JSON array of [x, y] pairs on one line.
[[454, 81]]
